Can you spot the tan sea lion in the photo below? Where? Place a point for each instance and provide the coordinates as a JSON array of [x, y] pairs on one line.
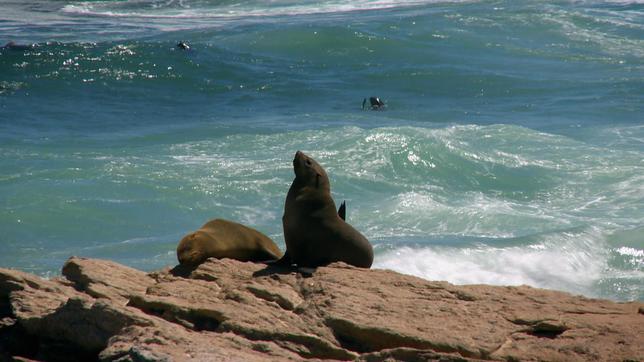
[[314, 233], [226, 239]]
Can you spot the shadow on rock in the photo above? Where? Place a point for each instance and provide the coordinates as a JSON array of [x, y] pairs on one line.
[[183, 271], [272, 268]]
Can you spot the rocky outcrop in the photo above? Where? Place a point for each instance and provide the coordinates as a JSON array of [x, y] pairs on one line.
[[226, 310]]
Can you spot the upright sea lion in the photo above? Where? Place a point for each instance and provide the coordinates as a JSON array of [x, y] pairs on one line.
[[314, 233], [226, 239]]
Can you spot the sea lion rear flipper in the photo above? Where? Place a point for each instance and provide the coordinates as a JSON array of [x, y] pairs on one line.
[[342, 211], [306, 272], [266, 256]]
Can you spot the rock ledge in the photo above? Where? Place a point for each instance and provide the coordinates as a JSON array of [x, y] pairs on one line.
[[229, 310]]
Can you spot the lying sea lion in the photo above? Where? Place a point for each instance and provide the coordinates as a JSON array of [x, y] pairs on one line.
[[314, 233], [226, 239]]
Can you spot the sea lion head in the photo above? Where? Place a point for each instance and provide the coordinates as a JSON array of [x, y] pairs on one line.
[[308, 172], [190, 250]]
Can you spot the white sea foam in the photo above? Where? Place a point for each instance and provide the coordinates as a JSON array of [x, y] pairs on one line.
[[419, 213], [568, 261], [238, 10], [633, 256], [635, 253]]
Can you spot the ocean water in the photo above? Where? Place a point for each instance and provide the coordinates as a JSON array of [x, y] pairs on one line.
[[511, 149]]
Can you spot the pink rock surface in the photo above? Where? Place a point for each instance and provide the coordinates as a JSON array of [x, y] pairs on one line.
[[226, 310]]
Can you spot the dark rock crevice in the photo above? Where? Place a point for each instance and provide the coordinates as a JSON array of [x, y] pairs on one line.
[[15, 340], [542, 328], [364, 339], [461, 295], [5, 307], [306, 345], [81, 327], [73, 273], [198, 319], [285, 298], [136, 354], [412, 355], [547, 330]]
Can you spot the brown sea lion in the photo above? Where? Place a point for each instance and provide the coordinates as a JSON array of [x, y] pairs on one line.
[[314, 233], [226, 239]]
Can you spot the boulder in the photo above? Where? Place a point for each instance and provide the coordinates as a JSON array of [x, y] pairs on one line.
[[232, 310]]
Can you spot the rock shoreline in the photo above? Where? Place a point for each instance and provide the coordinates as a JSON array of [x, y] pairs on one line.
[[226, 310]]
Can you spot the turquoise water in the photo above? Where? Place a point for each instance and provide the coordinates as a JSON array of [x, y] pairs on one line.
[[511, 150]]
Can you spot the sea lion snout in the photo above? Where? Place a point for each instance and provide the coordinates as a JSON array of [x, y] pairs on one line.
[[299, 159], [186, 251], [308, 171], [302, 160]]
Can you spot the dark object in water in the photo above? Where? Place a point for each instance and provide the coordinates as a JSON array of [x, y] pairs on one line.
[[183, 45], [376, 103], [13, 46], [342, 211]]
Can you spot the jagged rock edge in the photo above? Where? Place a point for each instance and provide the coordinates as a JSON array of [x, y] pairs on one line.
[[363, 339], [215, 321]]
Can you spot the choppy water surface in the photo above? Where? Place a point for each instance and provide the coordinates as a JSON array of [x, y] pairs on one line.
[[511, 150]]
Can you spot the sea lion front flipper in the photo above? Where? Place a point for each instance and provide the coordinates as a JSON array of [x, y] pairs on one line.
[[342, 211], [285, 260]]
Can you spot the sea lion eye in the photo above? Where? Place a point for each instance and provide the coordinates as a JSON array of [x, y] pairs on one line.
[[308, 162]]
